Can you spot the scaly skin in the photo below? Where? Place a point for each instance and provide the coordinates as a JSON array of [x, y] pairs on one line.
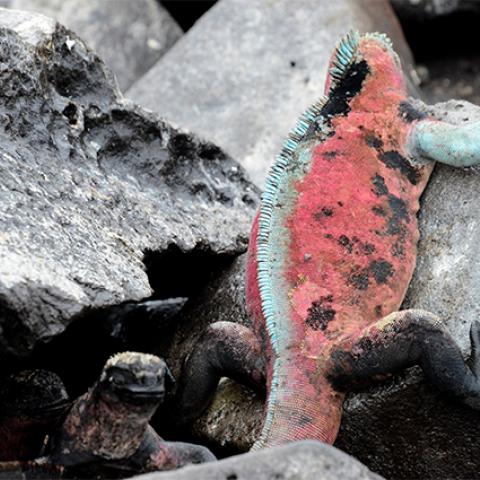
[[107, 431], [332, 252], [32, 404]]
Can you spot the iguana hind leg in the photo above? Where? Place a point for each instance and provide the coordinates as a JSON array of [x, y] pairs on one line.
[[403, 339], [225, 349]]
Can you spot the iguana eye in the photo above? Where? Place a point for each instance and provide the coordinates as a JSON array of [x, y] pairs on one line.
[[117, 378]]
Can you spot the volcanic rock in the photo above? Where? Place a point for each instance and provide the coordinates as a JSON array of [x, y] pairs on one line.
[[130, 36], [307, 460], [92, 185]]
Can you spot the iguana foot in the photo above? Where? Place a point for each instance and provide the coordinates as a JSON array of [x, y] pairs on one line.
[[455, 145], [224, 349], [401, 340]]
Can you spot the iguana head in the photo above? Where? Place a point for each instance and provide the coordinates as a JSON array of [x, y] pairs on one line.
[[365, 74], [133, 378]]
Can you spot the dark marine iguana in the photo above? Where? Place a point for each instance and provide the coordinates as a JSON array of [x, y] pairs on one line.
[[32, 404], [331, 254], [107, 428], [106, 432]]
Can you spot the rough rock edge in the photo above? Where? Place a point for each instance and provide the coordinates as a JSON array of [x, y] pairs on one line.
[[306, 460], [31, 310]]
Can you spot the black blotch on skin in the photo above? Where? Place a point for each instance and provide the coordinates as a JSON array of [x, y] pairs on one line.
[[399, 207], [340, 204], [373, 141], [399, 212], [397, 249], [379, 210], [360, 279], [344, 241], [380, 188], [368, 248], [324, 212], [394, 160], [378, 310], [321, 313], [408, 113], [330, 155], [347, 88], [365, 248], [304, 420], [328, 235], [381, 270], [328, 212]]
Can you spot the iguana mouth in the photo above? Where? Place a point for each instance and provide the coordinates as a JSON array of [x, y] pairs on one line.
[[140, 394]]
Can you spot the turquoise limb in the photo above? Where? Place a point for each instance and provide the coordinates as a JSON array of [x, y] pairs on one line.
[[455, 145]]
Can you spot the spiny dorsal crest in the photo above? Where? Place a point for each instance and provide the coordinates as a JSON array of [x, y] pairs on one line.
[[346, 51], [343, 56]]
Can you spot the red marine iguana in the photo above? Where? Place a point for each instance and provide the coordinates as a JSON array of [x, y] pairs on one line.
[[332, 252]]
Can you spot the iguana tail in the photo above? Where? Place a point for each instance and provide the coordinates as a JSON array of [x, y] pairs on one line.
[[302, 405]]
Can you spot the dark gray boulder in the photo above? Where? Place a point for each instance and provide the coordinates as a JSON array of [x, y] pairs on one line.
[[402, 428], [130, 36], [91, 183], [245, 71], [307, 460]]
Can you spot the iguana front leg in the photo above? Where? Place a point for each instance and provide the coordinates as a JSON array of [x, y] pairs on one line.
[[224, 349], [403, 339]]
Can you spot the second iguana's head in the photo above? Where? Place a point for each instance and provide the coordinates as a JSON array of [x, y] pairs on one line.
[[134, 379]]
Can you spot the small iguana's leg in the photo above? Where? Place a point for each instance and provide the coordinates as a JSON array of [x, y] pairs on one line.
[[225, 349], [154, 454], [407, 338], [455, 145]]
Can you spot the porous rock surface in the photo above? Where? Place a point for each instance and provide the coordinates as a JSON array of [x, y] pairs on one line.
[[405, 417], [90, 182], [306, 460], [247, 69], [427, 9], [130, 36]]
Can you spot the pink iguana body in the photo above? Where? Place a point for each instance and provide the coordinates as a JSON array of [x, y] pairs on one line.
[[351, 245], [331, 255]]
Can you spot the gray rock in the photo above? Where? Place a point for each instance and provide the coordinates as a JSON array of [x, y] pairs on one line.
[[307, 460], [402, 428], [246, 70], [426, 9], [91, 184], [447, 277], [130, 36]]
